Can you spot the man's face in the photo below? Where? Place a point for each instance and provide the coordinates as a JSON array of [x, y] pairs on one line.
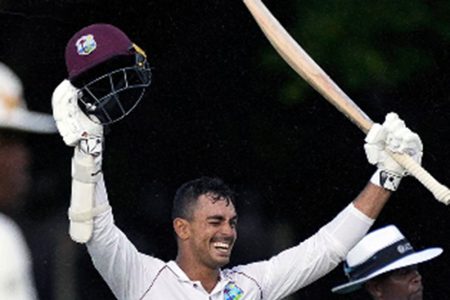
[[213, 231], [401, 284], [14, 173]]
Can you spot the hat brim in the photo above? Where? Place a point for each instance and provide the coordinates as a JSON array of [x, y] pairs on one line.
[[29, 121], [412, 259]]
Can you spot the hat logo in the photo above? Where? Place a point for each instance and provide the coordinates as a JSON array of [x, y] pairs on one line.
[[86, 44], [404, 247]]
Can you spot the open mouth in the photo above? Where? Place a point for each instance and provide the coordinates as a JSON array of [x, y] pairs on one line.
[[223, 248]]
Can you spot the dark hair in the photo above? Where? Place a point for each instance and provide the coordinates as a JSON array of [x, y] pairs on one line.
[[188, 193]]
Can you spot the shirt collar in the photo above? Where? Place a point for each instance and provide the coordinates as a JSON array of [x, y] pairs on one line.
[[178, 271], [223, 279]]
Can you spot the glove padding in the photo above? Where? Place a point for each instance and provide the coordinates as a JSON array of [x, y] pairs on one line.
[[73, 125], [392, 136], [86, 136]]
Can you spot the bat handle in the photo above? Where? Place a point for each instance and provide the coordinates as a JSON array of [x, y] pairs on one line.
[[440, 191]]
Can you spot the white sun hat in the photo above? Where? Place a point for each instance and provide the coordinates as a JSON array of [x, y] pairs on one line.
[[14, 114], [379, 252]]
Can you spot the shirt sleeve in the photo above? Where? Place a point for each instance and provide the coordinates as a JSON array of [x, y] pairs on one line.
[[126, 271], [303, 264]]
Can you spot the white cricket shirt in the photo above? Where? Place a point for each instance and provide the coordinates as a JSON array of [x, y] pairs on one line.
[[132, 275]]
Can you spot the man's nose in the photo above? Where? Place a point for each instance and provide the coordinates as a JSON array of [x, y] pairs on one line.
[[228, 230], [416, 276]]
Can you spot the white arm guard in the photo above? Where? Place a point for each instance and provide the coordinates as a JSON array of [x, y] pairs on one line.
[[86, 171], [80, 131]]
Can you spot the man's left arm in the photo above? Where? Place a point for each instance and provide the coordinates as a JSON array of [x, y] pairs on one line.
[[299, 266], [303, 264]]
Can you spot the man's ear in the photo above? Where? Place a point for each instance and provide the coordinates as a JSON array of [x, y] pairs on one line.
[[181, 228], [374, 288]]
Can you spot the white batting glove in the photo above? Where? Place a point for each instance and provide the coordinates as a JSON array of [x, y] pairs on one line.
[[394, 136], [73, 125], [86, 136]]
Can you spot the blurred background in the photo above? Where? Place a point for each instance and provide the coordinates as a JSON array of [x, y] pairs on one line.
[[223, 103]]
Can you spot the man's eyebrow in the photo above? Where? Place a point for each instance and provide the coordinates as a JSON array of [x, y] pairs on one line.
[[216, 217], [221, 218]]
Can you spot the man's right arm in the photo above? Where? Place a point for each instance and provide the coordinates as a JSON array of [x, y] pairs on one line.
[[126, 271]]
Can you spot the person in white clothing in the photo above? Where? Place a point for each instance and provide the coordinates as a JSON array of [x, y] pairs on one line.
[[16, 279], [16, 120], [204, 215]]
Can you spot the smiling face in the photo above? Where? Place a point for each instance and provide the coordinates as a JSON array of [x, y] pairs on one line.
[[208, 237], [401, 284]]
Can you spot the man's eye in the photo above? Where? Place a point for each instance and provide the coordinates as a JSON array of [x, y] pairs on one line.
[[403, 272]]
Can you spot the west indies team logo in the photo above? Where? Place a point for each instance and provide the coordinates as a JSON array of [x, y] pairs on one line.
[[232, 292], [86, 44]]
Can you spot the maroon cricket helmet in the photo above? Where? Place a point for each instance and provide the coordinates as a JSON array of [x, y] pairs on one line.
[[111, 72], [94, 45]]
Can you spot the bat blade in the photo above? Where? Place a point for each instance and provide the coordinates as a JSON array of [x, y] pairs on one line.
[[305, 66], [311, 72]]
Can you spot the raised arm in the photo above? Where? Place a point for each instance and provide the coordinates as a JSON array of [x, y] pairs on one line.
[[301, 265], [371, 200], [124, 269], [391, 136]]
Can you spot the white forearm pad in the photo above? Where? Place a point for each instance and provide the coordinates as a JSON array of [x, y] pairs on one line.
[[81, 206], [86, 172], [85, 167]]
